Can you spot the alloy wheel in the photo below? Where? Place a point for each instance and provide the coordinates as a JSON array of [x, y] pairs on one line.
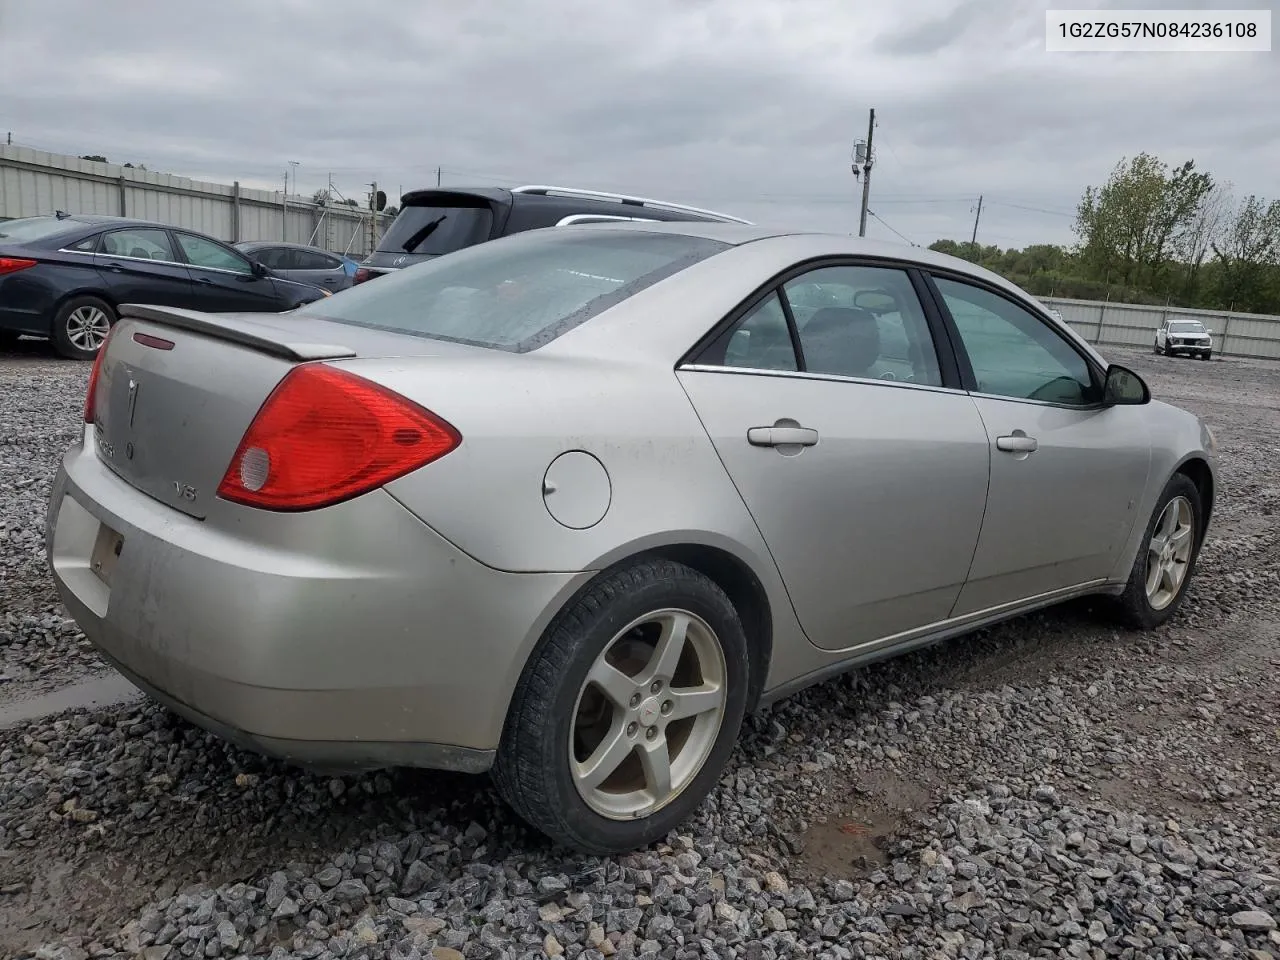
[[648, 715], [87, 328], [1169, 552]]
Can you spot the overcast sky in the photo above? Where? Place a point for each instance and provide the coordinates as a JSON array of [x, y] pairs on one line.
[[751, 106]]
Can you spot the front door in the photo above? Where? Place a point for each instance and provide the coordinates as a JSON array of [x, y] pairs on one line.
[[1066, 471], [865, 474], [223, 279]]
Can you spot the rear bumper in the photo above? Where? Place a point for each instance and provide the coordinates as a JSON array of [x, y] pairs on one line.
[[390, 647]]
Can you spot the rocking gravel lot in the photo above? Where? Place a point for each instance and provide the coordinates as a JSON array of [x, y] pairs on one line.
[[1049, 788]]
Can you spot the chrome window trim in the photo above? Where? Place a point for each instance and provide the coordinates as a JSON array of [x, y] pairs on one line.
[[877, 382], [828, 377]]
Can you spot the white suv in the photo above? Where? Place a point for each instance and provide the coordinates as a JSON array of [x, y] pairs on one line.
[[1177, 335]]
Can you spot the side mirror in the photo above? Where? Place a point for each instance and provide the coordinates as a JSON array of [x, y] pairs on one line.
[[1123, 387], [259, 270]]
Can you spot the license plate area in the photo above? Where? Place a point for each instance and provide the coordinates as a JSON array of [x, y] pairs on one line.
[[106, 551]]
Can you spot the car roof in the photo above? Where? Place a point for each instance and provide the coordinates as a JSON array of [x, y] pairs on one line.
[[842, 244], [97, 219], [810, 244], [283, 243]]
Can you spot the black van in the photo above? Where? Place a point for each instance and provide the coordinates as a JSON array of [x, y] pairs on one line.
[[443, 219]]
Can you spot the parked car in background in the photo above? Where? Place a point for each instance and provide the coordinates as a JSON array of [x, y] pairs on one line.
[[1179, 335], [441, 220], [65, 277], [302, 263], [568, 505]]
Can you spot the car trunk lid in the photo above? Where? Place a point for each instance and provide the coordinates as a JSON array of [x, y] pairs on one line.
[[177, 389]]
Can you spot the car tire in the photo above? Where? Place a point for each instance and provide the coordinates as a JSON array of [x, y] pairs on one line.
[[81, 325], [1155, 348], [543, 766], [1206, 355], [1148, 600]]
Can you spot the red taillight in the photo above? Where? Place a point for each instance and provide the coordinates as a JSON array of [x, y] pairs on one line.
[[14, 264], [90, 395], [326, 435], [361, 275]]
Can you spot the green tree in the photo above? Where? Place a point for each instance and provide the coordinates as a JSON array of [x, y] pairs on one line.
[[1130, 226], [1248, 257]]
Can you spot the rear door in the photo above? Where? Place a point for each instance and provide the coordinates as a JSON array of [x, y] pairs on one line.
[[317, 268], [866, 473], [223, 278], [1066, 471], [140, 265]]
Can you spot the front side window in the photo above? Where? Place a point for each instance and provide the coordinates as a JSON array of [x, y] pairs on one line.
[[214, 256], [140, 243], [520, 292], [865, 322], [1014, 353]]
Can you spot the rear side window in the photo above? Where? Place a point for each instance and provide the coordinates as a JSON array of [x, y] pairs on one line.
[[26, 229], [424, 229], [518, 293]]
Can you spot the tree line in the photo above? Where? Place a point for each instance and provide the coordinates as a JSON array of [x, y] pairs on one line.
[[1154, 234]]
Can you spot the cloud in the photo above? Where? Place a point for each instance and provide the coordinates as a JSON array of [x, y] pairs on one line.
[[746, 105]]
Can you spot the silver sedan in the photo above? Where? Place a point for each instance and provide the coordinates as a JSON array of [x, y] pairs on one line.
[[567, 505]]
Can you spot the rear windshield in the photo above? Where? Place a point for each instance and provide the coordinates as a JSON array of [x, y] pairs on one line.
[[517, 293], [34, 228], [436, 229]]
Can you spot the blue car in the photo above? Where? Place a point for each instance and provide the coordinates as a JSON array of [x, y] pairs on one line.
[[64, 277]]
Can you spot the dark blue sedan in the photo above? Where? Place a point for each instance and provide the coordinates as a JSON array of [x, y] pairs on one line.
[[64, 277]]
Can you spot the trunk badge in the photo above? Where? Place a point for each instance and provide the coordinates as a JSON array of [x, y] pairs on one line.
[[133, 399]]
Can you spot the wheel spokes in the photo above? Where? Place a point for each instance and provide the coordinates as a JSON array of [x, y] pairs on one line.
[[613, 683], [655, 759], [692, 701], [606, 758], [669, 648]]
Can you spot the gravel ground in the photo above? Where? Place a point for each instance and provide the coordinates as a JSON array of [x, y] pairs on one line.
[[1048, 788]]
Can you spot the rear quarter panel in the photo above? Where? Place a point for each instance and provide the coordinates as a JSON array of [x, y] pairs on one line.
[[29, 298]]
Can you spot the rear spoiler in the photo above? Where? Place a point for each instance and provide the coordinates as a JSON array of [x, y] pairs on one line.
[[256, 331]]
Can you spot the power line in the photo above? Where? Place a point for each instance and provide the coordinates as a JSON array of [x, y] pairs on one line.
[[901, 236], [1020, 206]]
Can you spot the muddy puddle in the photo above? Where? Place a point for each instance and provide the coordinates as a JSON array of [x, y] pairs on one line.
[[100, 691]]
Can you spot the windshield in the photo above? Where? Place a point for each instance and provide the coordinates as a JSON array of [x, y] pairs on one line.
[[430, 229], [1187, 326], [516, 293], [34, 228]]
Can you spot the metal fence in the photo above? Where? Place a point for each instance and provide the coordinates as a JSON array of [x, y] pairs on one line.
[[35, 183], [1134, 325]]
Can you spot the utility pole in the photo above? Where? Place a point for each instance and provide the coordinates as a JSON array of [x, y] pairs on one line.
[[373, 217], [294, 164], [866, 176], [284, 209], [438, 172], [973, 242]]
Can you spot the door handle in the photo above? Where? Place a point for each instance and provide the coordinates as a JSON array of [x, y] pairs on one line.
[[117, 267], [204, 280], [1019, 443], [330, 281], [782, 436]]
